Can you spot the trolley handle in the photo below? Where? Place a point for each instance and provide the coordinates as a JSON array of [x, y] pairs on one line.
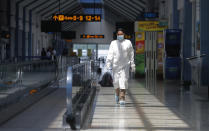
[[195, 57]]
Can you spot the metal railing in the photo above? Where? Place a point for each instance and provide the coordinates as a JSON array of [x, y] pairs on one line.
[[79, 92], [22, 79], [18, 80], [77, 76], [196, 66]]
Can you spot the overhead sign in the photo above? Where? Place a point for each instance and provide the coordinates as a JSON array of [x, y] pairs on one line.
[[68, 40], [85, 36], [150, 26], [76, 18], [50, 26]]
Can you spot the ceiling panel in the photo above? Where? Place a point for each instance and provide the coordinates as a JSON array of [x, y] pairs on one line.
[[128, 8], [119, 10]]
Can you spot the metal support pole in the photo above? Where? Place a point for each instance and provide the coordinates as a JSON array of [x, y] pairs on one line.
[[146, 59], [69, 91], [155, 59], [151, 60], [97, 50]]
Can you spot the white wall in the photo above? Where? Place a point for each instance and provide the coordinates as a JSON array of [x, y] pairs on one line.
[[95, 28]]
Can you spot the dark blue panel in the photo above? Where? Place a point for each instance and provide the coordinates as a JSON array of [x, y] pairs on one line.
[[204, 39], [150, 15], [187, 39], [172, 68], [172, 42], [173, 37]]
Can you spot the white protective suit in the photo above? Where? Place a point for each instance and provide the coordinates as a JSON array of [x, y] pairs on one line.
[[120, 57]]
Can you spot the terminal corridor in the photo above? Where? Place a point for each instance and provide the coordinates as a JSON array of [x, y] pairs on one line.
[[104, 65], [167, 111]]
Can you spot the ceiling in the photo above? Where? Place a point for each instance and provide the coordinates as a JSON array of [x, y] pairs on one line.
[[115, 10]]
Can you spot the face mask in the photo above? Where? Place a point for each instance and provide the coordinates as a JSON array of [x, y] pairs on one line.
[[120, 37]]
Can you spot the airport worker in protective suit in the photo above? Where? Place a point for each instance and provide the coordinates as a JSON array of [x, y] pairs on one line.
[[120, 59]]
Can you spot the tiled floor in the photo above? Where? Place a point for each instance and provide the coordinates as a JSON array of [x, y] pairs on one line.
[[142, 111], [170, 109]]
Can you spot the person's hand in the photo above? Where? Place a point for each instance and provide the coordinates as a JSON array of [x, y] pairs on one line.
[[133, 69], [107, 69]]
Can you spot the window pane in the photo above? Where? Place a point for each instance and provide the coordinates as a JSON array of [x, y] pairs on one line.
[[90, 1], [93, 11]]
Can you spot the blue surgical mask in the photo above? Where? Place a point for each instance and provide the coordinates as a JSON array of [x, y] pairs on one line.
[[120, 37]]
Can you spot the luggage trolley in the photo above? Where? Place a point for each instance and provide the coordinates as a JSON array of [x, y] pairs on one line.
[[196, 65]]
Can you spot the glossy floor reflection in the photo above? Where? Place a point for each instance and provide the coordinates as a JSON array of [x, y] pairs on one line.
[[192, 108], [45, 115], [143, 111], [170, 109]]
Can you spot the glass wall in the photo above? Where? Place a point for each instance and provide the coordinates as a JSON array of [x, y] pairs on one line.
[[103, 50], [83, 49]]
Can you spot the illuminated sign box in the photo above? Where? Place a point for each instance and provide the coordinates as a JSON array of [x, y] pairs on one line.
[[150, 15], [85, 36], [76, 18], [150, 26]]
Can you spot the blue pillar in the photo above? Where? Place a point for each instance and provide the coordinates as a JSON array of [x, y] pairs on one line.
[[23, 35], [175, 15], [9, 55], [24, 26], [30, 35], [30, 26], [17, 29], [187, 39], [204, 39]]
